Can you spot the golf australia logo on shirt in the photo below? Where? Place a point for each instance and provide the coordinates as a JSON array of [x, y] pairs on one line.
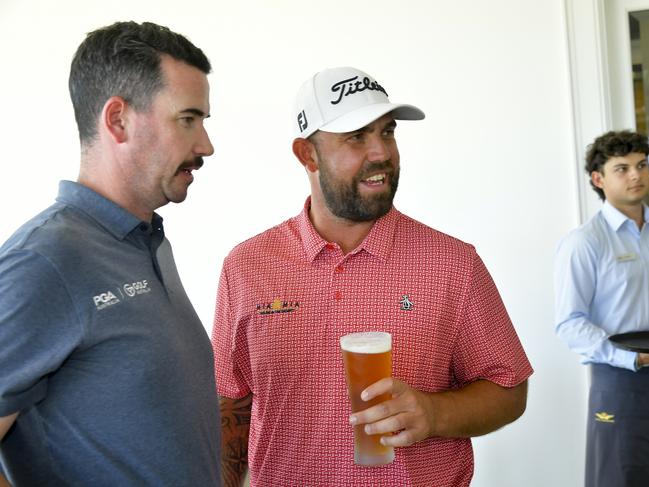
[[134, 288], [116, 295]]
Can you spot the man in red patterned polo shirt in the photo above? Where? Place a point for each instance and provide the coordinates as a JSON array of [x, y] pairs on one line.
[[351, 262]]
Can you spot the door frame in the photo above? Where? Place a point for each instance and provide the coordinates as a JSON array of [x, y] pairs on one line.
[[599, 52]]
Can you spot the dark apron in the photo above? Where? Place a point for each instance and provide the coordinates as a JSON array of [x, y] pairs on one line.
[[617, 441]]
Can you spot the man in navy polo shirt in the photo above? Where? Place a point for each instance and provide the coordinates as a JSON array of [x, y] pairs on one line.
[[106, 373]]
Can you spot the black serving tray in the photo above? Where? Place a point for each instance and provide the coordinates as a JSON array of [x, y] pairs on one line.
[[636, 341]]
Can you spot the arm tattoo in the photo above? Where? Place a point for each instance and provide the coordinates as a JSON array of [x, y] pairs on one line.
[[235, 429]]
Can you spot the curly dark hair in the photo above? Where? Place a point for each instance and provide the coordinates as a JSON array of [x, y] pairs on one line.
[[123, 59], [613, 144]]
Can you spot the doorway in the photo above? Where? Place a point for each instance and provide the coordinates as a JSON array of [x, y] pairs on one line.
[[609, 66]]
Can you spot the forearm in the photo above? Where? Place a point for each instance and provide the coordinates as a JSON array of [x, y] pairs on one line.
[[591, 342], [235, 430], [4, 482], [477, 409]]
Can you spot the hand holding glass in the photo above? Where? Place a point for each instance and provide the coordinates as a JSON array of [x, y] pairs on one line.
[[368, 358]]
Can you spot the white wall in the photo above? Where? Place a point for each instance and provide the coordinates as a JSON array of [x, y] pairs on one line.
[[493, 163]]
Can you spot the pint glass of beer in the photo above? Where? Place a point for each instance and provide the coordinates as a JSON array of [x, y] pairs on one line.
[[368, 358]]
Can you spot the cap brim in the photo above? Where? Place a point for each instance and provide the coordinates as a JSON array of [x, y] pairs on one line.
[[363, 116]]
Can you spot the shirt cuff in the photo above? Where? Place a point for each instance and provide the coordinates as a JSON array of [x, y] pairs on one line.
[[625, 359]]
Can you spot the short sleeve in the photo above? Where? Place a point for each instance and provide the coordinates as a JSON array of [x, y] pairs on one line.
[[229, 343], [39, 328], [487, 345]]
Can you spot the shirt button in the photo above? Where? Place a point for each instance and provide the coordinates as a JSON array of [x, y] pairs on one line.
[[330, 246], [338, 295], [339, 269]]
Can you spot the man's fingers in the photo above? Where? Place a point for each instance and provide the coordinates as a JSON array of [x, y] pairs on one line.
[[406, 414], [373, 414], [402, 438], [387, 425], [382, 386]]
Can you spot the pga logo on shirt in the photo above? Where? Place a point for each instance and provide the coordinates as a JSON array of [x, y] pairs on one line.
[[103, 300]]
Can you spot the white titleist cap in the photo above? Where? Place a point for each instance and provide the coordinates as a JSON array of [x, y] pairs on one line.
[[343, 100]]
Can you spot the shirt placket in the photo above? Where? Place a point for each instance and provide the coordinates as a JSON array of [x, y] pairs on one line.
[[334, 263], [150, 237], [340, 290]]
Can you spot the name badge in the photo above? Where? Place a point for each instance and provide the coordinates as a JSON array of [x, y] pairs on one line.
[[627, 257]]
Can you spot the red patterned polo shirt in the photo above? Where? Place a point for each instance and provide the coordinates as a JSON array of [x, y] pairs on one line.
[[285, 298]]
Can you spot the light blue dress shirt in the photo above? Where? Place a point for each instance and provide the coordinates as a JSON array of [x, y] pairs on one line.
[[601, 281]]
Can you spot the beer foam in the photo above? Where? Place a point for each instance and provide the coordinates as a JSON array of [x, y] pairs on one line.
[[367, 342]]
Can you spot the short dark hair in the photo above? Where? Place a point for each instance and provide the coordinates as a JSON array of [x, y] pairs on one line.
[[613, 144], [123, 59]]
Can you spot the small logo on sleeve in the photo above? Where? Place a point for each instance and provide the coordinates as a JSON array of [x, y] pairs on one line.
[[277, 306], [406, 303]]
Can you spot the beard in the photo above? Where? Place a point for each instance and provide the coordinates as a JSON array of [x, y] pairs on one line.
[[344, 199]]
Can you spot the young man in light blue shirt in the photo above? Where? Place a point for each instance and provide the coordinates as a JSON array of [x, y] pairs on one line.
[[602, 289]]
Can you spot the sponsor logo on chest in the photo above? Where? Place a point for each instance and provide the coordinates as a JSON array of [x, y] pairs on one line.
[[118, 294], [277, 306]]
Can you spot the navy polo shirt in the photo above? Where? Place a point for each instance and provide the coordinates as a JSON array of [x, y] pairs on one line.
[[102, 353]]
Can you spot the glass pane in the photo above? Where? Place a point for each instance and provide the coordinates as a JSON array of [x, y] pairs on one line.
[[639, 33]]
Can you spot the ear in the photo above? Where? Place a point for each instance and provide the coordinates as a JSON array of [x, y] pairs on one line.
[[306, 154], [596, 178], [113, 118]]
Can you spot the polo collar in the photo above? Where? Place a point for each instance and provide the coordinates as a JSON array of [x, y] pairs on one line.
[[109, 215], [615, 218], [378, 241]]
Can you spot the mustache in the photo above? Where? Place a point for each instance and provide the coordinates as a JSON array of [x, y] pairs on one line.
[[374, 167], [197, 163]]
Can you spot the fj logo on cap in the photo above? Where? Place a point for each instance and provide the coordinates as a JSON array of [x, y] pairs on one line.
[[302, 121], [350, 86]]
